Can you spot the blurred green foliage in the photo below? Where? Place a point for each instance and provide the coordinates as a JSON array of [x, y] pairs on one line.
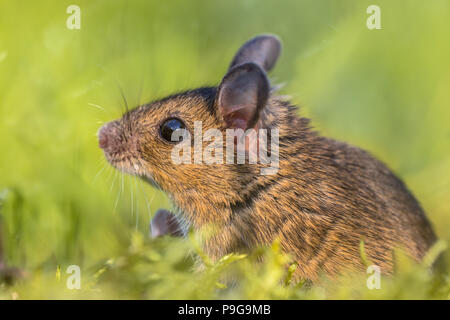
[[384, 90]]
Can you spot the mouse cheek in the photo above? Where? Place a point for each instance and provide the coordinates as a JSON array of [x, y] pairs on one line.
[[147, 160]]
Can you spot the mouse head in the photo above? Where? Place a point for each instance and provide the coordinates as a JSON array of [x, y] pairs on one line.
[[146, 141]]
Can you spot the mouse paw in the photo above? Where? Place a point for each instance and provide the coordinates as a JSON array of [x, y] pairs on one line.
[[164, 223]]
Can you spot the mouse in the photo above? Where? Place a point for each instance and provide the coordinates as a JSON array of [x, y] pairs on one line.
[[322, 199]]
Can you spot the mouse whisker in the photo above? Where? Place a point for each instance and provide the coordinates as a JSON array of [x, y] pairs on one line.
[[113, 182], [132, 202], [119, 192], [98, 107], [149, 212], [105, 165], [137, 202]]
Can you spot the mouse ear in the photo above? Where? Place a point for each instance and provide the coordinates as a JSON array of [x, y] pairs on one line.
[[263, 50], [242, 95]]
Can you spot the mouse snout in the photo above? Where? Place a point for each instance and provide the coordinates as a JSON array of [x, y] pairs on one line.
[[109, 136], [119, 145], [103, 137]]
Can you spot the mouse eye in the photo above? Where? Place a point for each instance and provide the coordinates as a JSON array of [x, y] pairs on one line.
[[169, 127]]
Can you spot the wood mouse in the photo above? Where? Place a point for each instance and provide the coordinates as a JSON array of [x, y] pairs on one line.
[[324, 199]]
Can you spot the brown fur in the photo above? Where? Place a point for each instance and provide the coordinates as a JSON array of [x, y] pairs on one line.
[[326, 197]]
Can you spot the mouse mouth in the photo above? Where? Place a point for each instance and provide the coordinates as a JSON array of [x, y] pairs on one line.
[[125, 164]]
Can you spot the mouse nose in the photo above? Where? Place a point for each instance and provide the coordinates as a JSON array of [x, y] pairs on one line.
[[103, 137]]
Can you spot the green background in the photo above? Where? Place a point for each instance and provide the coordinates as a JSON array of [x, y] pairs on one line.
[[386, 90]]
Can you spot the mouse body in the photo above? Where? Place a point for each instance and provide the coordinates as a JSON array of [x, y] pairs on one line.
[[323, 199]]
